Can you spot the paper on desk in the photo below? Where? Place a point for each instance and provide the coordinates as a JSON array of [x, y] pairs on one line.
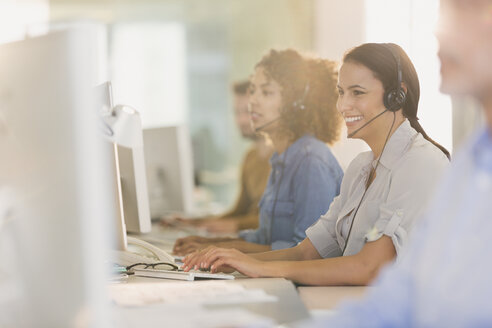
[[183, 315], [195, 292]]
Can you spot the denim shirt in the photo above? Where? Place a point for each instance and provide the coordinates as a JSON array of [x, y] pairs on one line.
[[302, 184]]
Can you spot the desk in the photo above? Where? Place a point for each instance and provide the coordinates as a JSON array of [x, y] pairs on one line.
[[292, 304], [326, 298], [289, 307]]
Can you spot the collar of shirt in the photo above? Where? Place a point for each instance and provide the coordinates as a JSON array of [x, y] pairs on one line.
[[293, 151], [482, 151], [395, 148]]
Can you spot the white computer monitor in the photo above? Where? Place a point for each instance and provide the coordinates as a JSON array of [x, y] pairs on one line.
[[104, 100], [169, 167], [123, 129], [53, 168], [133, 181]]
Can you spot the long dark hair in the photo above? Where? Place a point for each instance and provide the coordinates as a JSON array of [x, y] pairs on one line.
[[380, 59]]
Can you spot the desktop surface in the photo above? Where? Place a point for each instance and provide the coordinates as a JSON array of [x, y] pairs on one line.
[[292, 304], [288, 307]]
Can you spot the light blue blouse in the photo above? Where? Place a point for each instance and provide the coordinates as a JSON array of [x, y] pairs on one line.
[[302, 184]]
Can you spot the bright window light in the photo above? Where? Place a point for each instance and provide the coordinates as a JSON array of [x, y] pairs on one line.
[[17, 18], [411, 24], [148, 70]]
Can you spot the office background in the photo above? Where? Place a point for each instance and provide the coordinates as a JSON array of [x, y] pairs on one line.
[[175, 60]]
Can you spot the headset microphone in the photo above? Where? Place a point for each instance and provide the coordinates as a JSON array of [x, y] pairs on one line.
[[350, 135], [258, 129]]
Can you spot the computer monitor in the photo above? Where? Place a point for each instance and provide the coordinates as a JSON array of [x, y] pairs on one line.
[[54, 170], [130, 154], [104, 104], [169, 164], [123, 127]]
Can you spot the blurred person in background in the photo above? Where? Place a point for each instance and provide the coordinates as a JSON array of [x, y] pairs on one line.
[[254, 174], [292, 101]]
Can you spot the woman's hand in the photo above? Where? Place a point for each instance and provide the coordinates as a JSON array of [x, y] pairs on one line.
[[195, 260], [186, 245], [225, 260]]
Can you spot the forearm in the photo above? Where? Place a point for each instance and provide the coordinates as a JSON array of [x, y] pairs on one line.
[[288, 254], [304, 251], [244, 246], [348, 270]]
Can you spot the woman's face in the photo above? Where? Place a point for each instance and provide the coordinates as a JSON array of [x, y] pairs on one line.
[[265, 101], [360, 98]]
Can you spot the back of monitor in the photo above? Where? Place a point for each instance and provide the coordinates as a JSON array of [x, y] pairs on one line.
[[169, 166]]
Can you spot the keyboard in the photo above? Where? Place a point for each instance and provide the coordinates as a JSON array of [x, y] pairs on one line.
[[181, 275]]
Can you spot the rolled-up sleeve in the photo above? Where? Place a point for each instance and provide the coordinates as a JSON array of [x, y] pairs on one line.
[[412, 185], [322, 233]]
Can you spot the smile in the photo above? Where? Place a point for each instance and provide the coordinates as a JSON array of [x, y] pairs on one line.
[[351, 119]]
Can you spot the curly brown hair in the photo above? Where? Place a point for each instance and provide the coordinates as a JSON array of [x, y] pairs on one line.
[[309, 94]]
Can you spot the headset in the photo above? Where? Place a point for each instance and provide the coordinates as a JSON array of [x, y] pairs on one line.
[[393, 100], [297, 105]]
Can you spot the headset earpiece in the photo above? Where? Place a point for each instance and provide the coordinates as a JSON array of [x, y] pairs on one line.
[[299, 103], [395, 98]]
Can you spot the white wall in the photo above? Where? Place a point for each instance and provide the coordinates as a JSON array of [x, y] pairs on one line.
[[339, 26]]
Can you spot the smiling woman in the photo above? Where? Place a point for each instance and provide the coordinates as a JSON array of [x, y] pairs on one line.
[[383, 191], [293, 102], [376, 77]]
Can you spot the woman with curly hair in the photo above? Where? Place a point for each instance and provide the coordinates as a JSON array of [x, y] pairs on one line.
[[292, 102], [383, 192]]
